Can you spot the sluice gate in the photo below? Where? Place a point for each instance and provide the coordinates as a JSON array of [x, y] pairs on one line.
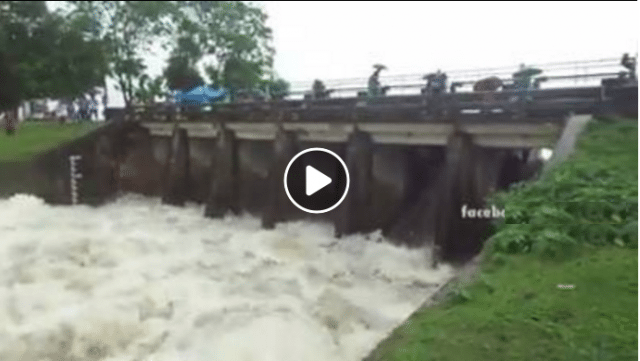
[[414, 161]]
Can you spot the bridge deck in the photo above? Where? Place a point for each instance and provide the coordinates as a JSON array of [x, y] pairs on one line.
[[490, 135], [404, 120]]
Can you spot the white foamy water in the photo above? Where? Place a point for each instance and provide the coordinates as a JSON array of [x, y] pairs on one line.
[[137, 280]]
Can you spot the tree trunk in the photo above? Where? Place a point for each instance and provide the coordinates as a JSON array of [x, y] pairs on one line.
[[11, 121], [122, 82]]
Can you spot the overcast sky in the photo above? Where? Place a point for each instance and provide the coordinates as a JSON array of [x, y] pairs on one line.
[[337, 40], [332, 40]]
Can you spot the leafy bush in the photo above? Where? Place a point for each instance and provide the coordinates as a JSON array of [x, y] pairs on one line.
[[590, 200]]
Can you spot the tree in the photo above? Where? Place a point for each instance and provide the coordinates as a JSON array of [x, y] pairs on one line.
[[53, 58], [77, 66], [17, 22], [181, 74], [277, 88], [10, 96], [240, 74], [231, 37], [9, 91], [128, 29], [149, 89], [42, 55]]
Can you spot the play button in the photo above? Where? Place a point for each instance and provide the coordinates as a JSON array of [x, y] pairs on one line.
[[316, 180]]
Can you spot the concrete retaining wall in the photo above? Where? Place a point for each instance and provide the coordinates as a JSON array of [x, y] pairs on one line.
[[411, 191]]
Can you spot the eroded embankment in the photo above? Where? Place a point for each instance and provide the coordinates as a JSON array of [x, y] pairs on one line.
[[138, 280], [48, 175]]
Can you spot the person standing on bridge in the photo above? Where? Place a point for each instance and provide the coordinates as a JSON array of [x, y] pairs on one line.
[[629, 63], [374, 87], [319, 91], [439, 85], [522, 83], [436, 83]]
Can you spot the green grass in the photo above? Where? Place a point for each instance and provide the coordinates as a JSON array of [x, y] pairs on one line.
[[517, 312], [575, 226], [33, 138]]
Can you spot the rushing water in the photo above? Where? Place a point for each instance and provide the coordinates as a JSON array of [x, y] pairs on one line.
[[138, 280]]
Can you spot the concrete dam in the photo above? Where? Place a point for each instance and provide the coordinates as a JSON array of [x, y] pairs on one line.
[[413, 161]]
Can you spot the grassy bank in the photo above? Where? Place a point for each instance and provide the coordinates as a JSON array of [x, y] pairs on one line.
[[559, 278], [32, 138]]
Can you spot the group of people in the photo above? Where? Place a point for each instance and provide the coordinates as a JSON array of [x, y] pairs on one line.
[[524, 80], [82, 109]]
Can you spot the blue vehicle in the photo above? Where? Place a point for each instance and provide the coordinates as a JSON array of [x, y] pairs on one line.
[[199, 96]]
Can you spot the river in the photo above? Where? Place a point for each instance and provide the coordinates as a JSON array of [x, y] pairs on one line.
[[138, 280]]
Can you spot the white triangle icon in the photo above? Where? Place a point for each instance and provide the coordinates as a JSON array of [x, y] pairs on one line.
[[315, 180]]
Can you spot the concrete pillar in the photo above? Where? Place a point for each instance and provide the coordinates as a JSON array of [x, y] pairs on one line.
[[359, 160], [106, 168], [175, 188], [470, 174], [453, 234], [574, 125], [285, 148], [139, 169], [488, 164], [223, 195]]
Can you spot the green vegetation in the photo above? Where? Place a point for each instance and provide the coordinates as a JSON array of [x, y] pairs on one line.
[[517, 312], [553, 236], [590, 200], [68, 53], [37, 137], [44, 54], [229, 40]]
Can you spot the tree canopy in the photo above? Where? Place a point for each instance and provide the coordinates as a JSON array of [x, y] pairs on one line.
[[69, 52], [232, 42], [127, 30], [229, 39], [181, 73], [44, 55]]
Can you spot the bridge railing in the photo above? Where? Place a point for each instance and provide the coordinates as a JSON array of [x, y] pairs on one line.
[[554, 72], [463, 82], [388, 109], [547, 101]]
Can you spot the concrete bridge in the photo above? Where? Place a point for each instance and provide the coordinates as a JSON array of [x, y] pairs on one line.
[[414, 161]]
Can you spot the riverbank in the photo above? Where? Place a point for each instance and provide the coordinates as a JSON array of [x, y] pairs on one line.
[[36, 160], [558, 281], [33, 138]]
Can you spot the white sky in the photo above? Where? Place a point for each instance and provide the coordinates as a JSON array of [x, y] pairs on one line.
[[332, 40], [338, 40]]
